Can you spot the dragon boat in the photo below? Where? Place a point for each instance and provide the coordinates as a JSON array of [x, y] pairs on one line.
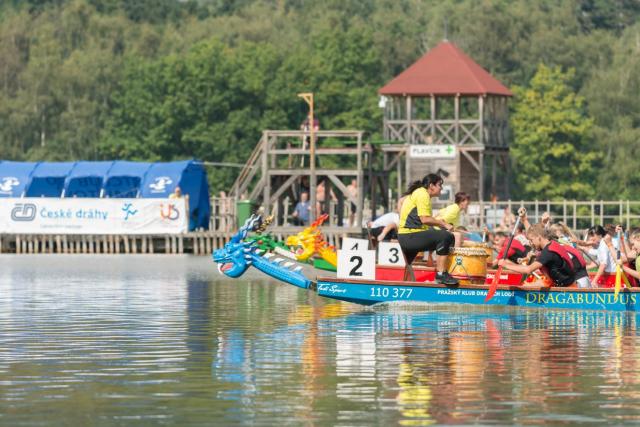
[[239, 255]]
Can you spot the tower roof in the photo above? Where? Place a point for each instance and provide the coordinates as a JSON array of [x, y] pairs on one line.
[[445, 70]]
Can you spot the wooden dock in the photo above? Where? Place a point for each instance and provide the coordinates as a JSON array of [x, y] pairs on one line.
[[197, 243]]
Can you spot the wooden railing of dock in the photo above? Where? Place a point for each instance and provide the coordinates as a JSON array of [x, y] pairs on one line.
[[197, 243]]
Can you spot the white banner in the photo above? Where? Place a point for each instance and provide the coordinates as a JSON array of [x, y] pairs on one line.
[[429, 151], [93, 216]]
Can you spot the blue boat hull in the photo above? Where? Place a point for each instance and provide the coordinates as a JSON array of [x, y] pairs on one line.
[[373, 292]]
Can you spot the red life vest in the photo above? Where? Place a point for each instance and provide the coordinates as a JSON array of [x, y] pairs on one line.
[[576, 254], [515, 246], [557, 248]]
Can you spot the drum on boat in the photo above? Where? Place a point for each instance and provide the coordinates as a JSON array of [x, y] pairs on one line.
[[468, 265], [485, 246]]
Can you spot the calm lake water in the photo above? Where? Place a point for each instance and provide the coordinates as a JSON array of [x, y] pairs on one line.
[[164, 340]]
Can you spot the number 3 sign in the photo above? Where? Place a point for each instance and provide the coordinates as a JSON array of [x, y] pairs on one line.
[[389, 253], [356, 265]]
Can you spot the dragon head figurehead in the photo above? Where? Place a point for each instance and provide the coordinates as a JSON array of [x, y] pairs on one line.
[[308, 241], [234, 258], [239, 254]]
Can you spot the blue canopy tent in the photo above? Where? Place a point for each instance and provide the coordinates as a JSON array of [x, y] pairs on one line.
[[162, 179], [14, 177], [86, 179], [47, 179], [124, 178], [117, 179]]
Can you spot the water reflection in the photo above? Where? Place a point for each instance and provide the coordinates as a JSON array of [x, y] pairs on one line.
[[151, 340], [423, 365]]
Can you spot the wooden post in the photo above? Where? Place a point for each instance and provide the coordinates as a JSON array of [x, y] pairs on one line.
[[456, 109], [494, 190], [125, 238], [481, 119], [601, 213], [266, 192], [620, 212], [409, 118], [180, 244], [481, 181], [360, 182], [167, 246], [507, 167]]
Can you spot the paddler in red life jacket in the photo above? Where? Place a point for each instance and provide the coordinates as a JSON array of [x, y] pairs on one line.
[[517, 250], [553, 259], [632, 252], [579, 266]]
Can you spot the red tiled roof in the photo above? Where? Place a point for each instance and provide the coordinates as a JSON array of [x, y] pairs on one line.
[[445, 70]]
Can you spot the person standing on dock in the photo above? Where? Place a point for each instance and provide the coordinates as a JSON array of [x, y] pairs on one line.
[[302, 210], [415, 230], [352, 188]]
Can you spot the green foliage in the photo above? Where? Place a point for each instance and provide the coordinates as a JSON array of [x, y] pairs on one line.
[[613, 99], [169, 79], [551, 135]]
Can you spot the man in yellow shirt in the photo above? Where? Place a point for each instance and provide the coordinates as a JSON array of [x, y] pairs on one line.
[[451, 214], [415, 230]]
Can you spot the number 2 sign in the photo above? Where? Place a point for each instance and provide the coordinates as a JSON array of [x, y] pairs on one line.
[[356, 265]]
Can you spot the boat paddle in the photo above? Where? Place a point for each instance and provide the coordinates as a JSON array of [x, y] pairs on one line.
[[494, 285], [619, 273]]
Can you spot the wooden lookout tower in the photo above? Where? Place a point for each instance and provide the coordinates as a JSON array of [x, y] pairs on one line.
[[454, 119]]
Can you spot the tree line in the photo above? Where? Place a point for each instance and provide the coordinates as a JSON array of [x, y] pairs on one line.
[[166, 79]]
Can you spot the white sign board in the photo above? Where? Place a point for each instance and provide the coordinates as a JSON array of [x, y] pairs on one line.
[[356, 265], [351, 244], [390, 254], [43, 215], [430, 151]]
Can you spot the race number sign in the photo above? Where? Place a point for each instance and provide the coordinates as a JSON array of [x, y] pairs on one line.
[[390, 254], [356, 265], [351, 244]]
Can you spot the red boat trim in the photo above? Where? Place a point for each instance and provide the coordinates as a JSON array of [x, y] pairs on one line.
[[500, 287]]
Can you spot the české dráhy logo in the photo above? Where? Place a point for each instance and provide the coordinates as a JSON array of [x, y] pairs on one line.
[[7, 183], [171, 213], [160, 184], [23, 212]]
